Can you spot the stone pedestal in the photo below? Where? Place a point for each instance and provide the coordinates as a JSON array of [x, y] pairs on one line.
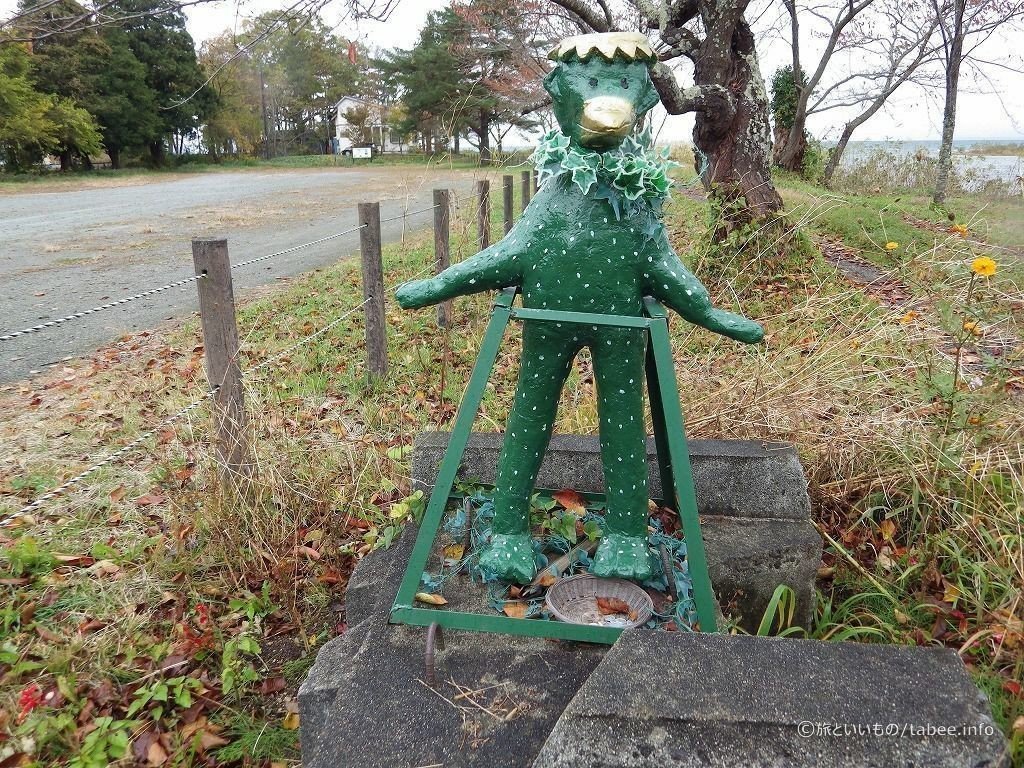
[[653, 700], [751, 496], [365, 705], [661, 699]]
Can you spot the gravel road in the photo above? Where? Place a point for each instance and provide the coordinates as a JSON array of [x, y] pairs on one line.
[[77, 245]]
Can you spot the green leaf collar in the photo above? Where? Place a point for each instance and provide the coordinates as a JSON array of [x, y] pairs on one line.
[[633, 170]]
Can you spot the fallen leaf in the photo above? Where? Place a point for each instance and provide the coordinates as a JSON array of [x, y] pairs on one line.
[[426, 597], [149, 500], [272, 685], [106, 568], [75, 561], [610, 605], [156, 754], [209, 740], [290, 721], [515, 610], [47, 635], [309, 552], [571, 500], [90, 625], [546, 579], [117, 494], [454, 552], [888, 528]]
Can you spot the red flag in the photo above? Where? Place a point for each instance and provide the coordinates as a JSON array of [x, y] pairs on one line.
[[352, 52]]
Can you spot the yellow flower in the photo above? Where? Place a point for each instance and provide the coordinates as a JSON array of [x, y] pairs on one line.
[[891, 245], [958, 229], [983, 266]]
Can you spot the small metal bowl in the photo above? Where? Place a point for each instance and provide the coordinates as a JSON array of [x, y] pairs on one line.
[[574, 601]]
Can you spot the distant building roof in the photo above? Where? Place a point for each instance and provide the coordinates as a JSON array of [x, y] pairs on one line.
[[359, 100]]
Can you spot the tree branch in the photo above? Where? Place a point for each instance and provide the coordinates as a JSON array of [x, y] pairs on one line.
[[584, 12], [706, 98]]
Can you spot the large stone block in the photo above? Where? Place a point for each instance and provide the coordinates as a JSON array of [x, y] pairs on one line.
[[364, 703], [680, 700], [751, 496]]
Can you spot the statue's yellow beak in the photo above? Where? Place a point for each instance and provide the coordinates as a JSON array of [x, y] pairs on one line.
[[606, 121]]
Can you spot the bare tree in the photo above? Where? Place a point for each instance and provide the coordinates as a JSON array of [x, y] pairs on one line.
[[834, 17], [964, 27], [897, 59], [728, 98]]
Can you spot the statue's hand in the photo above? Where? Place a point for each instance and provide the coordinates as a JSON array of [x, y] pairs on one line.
[[415, 294], [747, 331], [735, 326]]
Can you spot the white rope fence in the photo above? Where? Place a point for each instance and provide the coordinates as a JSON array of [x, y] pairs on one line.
[[11, 519], [185, 281]]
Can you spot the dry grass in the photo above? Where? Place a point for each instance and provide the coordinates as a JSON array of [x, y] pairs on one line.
[[918, 482]]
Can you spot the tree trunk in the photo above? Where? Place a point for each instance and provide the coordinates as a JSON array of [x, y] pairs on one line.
[[794, 147], [789, 152], [65, 160], [837, 155], [156, 153], [484, 132], [779, 136], [115, 157], [736, 143], [953, 60], [456, 143]]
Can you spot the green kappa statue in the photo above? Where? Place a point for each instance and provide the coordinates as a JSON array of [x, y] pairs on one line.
[[592, 241]]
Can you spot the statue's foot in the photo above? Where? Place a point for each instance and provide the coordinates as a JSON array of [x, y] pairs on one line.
[[623, 557], [510, 558]]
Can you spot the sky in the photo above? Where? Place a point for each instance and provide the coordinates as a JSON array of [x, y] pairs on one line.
[[989, 110]]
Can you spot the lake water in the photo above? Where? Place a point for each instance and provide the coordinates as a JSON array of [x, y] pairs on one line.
[[980, 168]]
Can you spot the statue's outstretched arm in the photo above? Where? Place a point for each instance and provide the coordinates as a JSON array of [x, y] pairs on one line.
[[498, 266], [672, 283]]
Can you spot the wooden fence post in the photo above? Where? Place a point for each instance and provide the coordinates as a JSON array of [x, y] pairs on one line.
[[506, 190], [536, 180], [483, 213], [526, 179], [373, 289], [442, 252], [220, 348]]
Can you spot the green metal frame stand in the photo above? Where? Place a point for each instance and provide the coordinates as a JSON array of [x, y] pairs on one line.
[[673, 464]]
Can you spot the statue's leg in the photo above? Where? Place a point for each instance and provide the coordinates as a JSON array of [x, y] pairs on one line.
[[619, 372], [547, 355]]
